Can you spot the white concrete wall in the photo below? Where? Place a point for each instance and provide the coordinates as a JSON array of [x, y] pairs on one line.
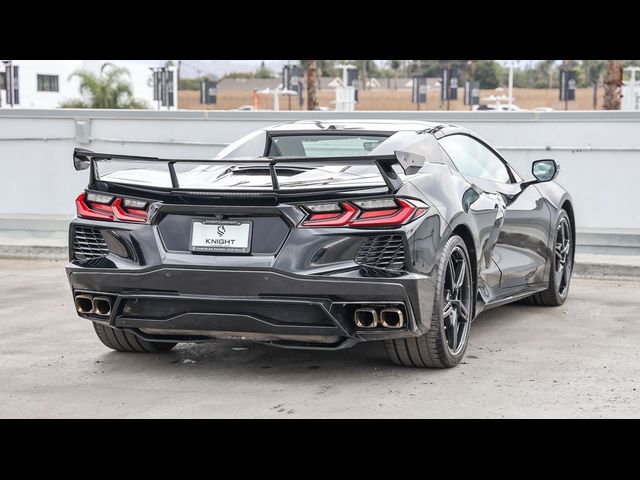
[[599, 152]]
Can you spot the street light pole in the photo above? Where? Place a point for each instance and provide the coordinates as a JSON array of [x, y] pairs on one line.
[[286, 87], [448, 86], [8, 76], [566, 83], [510, 92]]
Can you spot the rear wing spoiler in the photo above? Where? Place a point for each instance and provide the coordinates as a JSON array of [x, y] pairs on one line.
[[410, 160]]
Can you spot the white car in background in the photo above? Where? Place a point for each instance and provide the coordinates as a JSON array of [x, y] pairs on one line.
[[497, 107]]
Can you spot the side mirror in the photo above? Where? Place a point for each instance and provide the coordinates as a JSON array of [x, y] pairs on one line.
[[544, 170]]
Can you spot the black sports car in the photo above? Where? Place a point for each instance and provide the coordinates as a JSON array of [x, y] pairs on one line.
[[318, 235]]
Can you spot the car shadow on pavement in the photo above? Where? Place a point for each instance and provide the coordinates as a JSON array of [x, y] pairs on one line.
[[251, 358]]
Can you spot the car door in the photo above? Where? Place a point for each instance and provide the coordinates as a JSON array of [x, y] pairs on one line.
[[520, 251]]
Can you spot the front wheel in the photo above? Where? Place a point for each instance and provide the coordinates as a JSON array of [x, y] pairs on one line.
[[561, 266], [124, 341], [444, 344]]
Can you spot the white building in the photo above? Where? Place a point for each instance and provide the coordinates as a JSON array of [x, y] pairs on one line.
[[631, 90], [46, 83]]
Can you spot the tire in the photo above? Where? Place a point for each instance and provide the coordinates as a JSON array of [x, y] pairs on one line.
[[558, 289], [436, 349], [124, 341]]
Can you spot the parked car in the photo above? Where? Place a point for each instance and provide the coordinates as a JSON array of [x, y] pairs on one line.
[[319, 235], [495, 107]]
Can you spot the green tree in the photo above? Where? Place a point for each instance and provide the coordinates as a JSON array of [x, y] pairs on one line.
[[545, 75], [263, 72], [489, 73], [326, 68], [194, 83], [594, 71], [396, 65], [109, 89], [434, 68], [237, 75]]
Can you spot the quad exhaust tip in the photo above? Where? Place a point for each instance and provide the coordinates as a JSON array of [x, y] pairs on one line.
[[366, 318], [391, 318], [388, 317], [84, 304], [101, 306], [88, 304]]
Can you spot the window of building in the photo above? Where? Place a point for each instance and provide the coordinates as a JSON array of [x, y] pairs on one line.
[[47, 83]]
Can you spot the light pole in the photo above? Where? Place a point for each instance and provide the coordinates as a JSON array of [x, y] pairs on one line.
[[510, 91], [286, 87], [566, 95], [156, 85], [8, 76]]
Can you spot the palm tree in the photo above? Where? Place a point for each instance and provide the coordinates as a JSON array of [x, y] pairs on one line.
[[107, 90], [613, 85], [312, 85]]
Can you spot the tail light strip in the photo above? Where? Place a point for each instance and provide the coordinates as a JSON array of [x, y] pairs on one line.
[[109, 211], [336, 219], [352, 216]]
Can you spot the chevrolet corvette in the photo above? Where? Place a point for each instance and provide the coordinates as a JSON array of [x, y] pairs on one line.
[[318, 235]]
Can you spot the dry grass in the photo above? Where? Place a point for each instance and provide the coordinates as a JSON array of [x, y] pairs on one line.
[[383, 99]]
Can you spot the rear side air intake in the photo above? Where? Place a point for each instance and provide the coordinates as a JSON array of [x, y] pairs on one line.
[[88, 243], [382, 251]]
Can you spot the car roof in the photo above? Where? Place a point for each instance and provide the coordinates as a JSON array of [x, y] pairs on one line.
[[390, 126]]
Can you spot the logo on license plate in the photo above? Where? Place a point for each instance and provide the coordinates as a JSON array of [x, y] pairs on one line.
[[221, 236]]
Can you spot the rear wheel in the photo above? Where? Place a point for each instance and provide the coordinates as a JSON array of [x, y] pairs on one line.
[[124, 341], [444, 344], [561, 266]]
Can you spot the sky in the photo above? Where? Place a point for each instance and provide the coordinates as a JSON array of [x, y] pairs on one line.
[[195, 68]]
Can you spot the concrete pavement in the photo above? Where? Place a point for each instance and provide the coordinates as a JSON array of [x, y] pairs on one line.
[[578, 360]]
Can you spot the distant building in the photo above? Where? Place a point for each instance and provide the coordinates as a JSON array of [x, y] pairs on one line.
[[46, 83], [631, 90]]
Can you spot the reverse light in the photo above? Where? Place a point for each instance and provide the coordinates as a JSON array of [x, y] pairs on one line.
[[324, 207], [97, 206], [375, 204], [128, 216], [340, 218], [90, 211], [131, 203], [384, 212], [98, 197]]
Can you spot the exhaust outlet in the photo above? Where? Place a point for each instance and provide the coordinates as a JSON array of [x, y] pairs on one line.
[[102, 306], [365, 318], [84, 304], [391, 318]]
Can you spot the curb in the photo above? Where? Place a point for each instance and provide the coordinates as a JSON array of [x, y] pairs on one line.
[[606, 270], [34, 252]]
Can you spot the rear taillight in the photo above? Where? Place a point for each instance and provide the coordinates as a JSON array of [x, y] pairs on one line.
[[386, 212], [97, 206]]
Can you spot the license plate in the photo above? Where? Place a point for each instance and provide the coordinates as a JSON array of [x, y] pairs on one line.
[[226, 236]]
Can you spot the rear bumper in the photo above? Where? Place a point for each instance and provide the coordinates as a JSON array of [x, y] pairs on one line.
[[193, 303]]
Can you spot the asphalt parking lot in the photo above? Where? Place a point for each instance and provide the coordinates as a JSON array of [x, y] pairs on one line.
[[578, 360]]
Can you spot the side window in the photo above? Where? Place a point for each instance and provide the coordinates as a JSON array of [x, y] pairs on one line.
[[472, 158]]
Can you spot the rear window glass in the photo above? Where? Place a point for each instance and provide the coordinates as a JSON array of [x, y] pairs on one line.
[[324, 145]]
